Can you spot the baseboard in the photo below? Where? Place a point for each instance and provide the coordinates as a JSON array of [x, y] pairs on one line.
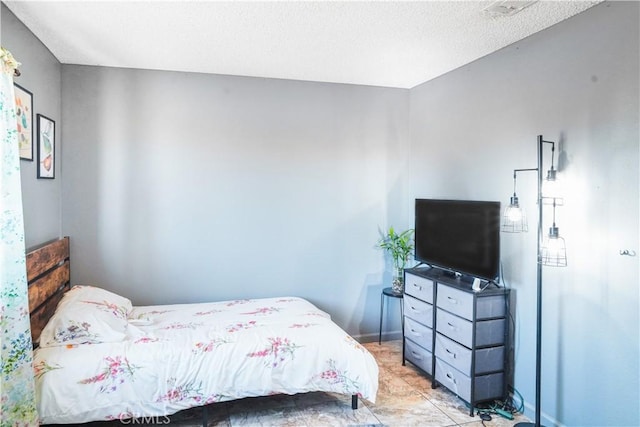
[[546, 420], [386, 336]]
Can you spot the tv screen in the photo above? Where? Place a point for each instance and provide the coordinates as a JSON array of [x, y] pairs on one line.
[[462, 236]]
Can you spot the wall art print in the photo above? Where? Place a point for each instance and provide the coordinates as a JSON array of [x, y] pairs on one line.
[[46, 147], [24, 116]]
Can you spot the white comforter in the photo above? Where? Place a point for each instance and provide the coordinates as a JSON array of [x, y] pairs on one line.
[[180, 356]]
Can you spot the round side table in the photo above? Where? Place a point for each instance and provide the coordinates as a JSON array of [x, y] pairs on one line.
[[388, 293]]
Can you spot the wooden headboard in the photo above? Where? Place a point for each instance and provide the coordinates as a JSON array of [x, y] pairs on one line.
[[48, 275]]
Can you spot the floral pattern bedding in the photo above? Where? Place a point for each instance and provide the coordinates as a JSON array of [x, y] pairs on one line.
[[179, 356]]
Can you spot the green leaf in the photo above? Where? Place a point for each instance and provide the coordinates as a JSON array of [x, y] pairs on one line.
[[399, 246]]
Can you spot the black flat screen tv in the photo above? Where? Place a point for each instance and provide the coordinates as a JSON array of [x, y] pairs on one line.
[[460, 236]]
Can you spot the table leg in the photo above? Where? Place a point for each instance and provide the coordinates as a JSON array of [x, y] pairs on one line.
[[381, 311], [402, 323]]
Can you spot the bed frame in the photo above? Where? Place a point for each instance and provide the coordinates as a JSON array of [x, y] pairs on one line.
[[48, 275]]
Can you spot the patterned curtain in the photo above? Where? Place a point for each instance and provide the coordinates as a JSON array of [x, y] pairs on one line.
[[17, 389]]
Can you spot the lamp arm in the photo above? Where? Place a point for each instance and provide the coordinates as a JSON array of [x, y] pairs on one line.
[[515, 171]]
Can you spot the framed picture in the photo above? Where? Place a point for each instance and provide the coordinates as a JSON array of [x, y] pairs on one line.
[[46, 147], [24, 115]]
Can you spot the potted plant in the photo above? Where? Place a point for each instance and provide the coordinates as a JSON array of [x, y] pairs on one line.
[[399, 246]]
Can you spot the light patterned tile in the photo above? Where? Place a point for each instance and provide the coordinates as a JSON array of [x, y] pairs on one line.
[[407, 370], [451, 405], [388, 352], [389, 400], [411, 412], [392, 384], [418, 381], [282, 417], [496, 421], [337, 414]]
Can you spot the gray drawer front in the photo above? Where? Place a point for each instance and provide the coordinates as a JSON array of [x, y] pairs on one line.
[[454, 327], [487, 359], [419, 311], [455, 301], [486, 386], [490, 332], [453, 379], [488, 307], [419, 333], [418, 287], [454, 354], [418, 356]]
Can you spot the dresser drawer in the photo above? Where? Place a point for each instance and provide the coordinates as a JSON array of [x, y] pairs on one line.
[[419, 356], [461, 303], [491, 307], [419, 311], [454, 327], [453, 353], [419, 333], [418, 287], [488, 332], [455, 301], [486, 386], [488, 359]]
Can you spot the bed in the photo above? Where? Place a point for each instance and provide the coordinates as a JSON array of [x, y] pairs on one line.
[[101, 358]]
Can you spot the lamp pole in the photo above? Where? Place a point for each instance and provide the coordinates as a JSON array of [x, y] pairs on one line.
[[538, 293], [539, 289]]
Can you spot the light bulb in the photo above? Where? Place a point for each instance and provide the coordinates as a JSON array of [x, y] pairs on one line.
[[514, 218], [552, 186], [514, 213]]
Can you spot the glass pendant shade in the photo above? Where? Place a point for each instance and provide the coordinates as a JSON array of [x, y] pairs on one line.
[[514, 219], [553, 251]]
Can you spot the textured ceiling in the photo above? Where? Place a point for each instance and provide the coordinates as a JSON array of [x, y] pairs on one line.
[[394, 44]]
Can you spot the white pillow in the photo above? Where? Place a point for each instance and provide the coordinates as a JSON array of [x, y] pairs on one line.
[[87, 315]]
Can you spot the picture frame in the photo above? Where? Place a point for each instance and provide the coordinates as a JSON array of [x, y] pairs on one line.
[[46, 147], [24, 119]]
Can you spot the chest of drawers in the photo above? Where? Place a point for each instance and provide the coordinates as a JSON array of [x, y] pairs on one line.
[[456, 336]]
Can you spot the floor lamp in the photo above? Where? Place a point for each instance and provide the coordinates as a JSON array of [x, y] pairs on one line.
[[551, 249]]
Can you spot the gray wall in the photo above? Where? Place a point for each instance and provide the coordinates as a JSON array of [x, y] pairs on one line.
[[191, 187], [41, 76], [575, 83]]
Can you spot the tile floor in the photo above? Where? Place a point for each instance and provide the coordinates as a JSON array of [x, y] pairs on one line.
[[405, 398]]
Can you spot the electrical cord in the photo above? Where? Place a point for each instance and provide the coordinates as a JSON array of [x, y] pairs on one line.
[[510, 406], [520, 407], [504, 409]]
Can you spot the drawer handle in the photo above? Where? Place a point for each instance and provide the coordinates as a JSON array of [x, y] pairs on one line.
[[452, 326], [451, 353], [416, 355], [416, 332], [452, 300], [453, 380], [417, 286]]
